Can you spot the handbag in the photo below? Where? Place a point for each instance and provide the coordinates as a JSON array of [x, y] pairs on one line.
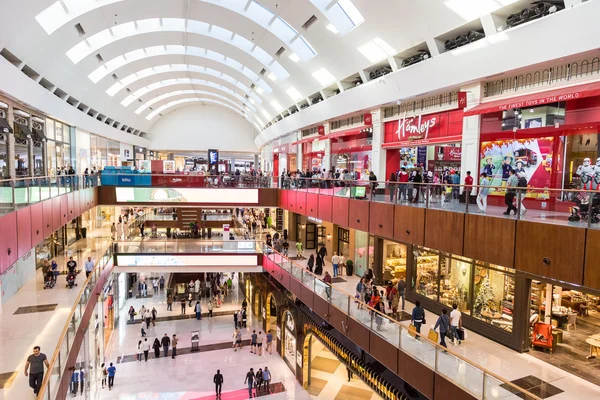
[[412, 330], [460, 332], [433, 335]]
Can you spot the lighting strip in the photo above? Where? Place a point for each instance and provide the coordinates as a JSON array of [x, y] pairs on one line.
[[140, 54], [134, 28]]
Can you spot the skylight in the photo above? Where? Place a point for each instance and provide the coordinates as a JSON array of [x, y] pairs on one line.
[[294, 57], [101, 39], [161, 69], [56, 16], [165, 96], [272, 76], [376, 50], [294, 93], [343, 15], [323, 76], [175, 103], [275, 104], [266, 114], [332, 29]]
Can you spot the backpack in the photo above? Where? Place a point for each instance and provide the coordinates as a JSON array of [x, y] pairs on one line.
[[359, 287], [522, 182]]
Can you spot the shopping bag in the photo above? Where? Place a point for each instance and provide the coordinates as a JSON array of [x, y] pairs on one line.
[[465, 336], [412, 330], [433, 335], [461, 334]]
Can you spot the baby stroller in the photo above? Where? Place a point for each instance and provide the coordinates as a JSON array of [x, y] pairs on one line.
[[585, 208], [49, 280], [71, 275]]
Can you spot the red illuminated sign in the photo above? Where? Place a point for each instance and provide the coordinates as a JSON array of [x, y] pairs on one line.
[[368, 118]]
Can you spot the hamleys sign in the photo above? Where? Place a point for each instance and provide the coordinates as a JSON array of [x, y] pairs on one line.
[[415, 127], [444, 127]]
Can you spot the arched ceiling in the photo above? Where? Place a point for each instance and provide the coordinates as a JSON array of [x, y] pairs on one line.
[[255, 57]]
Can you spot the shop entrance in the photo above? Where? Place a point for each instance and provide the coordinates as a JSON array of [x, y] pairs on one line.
[[344, 243], [271, 318], [323, 372], [311, 236], [574, 318]]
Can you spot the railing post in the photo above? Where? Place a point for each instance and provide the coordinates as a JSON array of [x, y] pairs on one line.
[[467, 198], [483, 386], [518, 204], [590, 214], [14, 200]]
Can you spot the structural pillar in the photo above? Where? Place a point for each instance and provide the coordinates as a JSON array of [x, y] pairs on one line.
[[30, 158], [10, 146], [45, 158], [257, 162], [471, 135], [378, 153]]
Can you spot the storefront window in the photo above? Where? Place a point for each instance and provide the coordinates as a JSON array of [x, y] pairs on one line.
[[289, 347], [102, 152], [114, 150], [494, 297], [344, 242], [361, 252], [394, 261], [60, 132], [455, 282], [427, 264], [21, 160], [51, 152]]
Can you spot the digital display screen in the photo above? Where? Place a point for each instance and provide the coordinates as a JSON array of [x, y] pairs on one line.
[[213, 157]]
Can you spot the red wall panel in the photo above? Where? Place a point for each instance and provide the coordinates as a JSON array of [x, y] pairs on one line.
[[341, 205], [23, 231], [76, 204], [291, 200], [325, 207], [71, 206], [64, 209], [301, 202], [56, 213], [283, 199], [8, 241], [47, 215], [37, 224], [359, 215], [312, 205]]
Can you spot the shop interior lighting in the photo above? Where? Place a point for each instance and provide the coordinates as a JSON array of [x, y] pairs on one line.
[[122, 60], [64, 11], [106, 37], [343, 14], [323, 76]]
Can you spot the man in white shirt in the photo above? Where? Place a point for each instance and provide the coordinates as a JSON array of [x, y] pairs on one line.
[[335, 260], [146, 348], [455, 323], [89, 267]]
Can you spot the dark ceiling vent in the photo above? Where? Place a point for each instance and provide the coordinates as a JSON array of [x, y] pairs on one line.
[[252, 86], [140, 100], [128, 90], [309, 22], [115, 77], [280, 51], [263, 71], [80, 29], [99, 58]]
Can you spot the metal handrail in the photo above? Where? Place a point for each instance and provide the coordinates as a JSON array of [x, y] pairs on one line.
[[352, 300], [56, 355]]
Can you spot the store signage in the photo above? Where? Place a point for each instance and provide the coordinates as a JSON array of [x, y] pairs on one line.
[[421, 155], [289, 322], [462, 99], [298, 358], [318, 221], [278, 333], [321, 130], [415, 127], [213, 158], [368, 119], [452, 153]]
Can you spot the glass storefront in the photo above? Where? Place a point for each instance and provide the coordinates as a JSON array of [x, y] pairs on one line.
[[289, 340], [394, 261], [362, 252]]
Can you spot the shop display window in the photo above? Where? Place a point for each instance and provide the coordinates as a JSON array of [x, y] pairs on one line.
[[455, 282], [494, 294], [362, 251], [51, 154], [21, 160], [50, 128], [394, 261], [427, 267]]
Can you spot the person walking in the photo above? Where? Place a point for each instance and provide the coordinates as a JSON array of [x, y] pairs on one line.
[[198, 310], [182, 302], [511, 184], [521, 183], [34, 369], [483, 193], [113, 231], [174, 346], [335, 260], [165, 342], [146, 349], [322, 254], [253, 339], [310, 263], [267, 379], [319, 265], [89, 267], [140, 351], [148, 318], [104, 375], [327, 281], [111, 375], [218, 381], [299, 251], [269, 342], [392, 186], [156, 347], [443, 322], [258, 380], [169, 303], [235, 319], [259, 342], [244, 317], [250, 381], [210, 308], [455, 324], [161, 282], [418, 317], [154, 313], [238, 339], [131, 314], [402, 291]]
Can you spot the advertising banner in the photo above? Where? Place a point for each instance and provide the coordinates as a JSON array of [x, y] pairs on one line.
[[146, 195]]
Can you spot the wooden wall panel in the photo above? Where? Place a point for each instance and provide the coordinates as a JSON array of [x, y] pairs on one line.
[[295, 286], [64, 209], [444, 231], [498, 233], [591, 274], [312, 205], [291, 201], [37, 224], [47, 215], [76, 205], [321, 307], [446, 390], [325, 207], [359, 215], [340, 210], [416, 374], [23, 232], [359, 334], [550, 250], [409, 225], [384, 352], [338, 318], [268, 197], [8, 241], [381, 219], [56, 214], [71, 206], [306, 296], [301, 203]]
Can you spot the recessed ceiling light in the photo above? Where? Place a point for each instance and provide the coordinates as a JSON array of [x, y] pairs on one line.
[[272, 76], [276, 106], [332, 29], [323, 76], [294, 57], [294, 93]]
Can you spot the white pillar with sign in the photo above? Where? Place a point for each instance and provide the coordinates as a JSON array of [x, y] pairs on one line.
[[471, 135], [378, 153]]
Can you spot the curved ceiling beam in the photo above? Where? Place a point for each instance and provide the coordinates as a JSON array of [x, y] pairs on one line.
[[65, 11], [178, 81], [164, 96], [141, 54], [162, 69], [195, 100], [197, 94], [342, 14], [140, 27]]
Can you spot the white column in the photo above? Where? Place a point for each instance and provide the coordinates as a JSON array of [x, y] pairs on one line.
[[299, 156], [326, 163], [470, 135], [378, 153]]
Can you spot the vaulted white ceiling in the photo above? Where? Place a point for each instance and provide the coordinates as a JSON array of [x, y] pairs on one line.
[[136, 60]]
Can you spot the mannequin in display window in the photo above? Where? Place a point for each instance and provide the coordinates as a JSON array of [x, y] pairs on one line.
[[596, 181], [586, 173]]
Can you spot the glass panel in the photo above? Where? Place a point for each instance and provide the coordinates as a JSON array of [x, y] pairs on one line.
[[322, 289], [461, 373], [421, 349], [495, 390], [426, 282], [494, 297], [455, 283], [361, 313], [340, 299], [309, 280], [51, 154], [394, 258], [361, 252]]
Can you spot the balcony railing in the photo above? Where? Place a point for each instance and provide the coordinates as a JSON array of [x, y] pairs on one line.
[[189, 247], [466, 374]]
